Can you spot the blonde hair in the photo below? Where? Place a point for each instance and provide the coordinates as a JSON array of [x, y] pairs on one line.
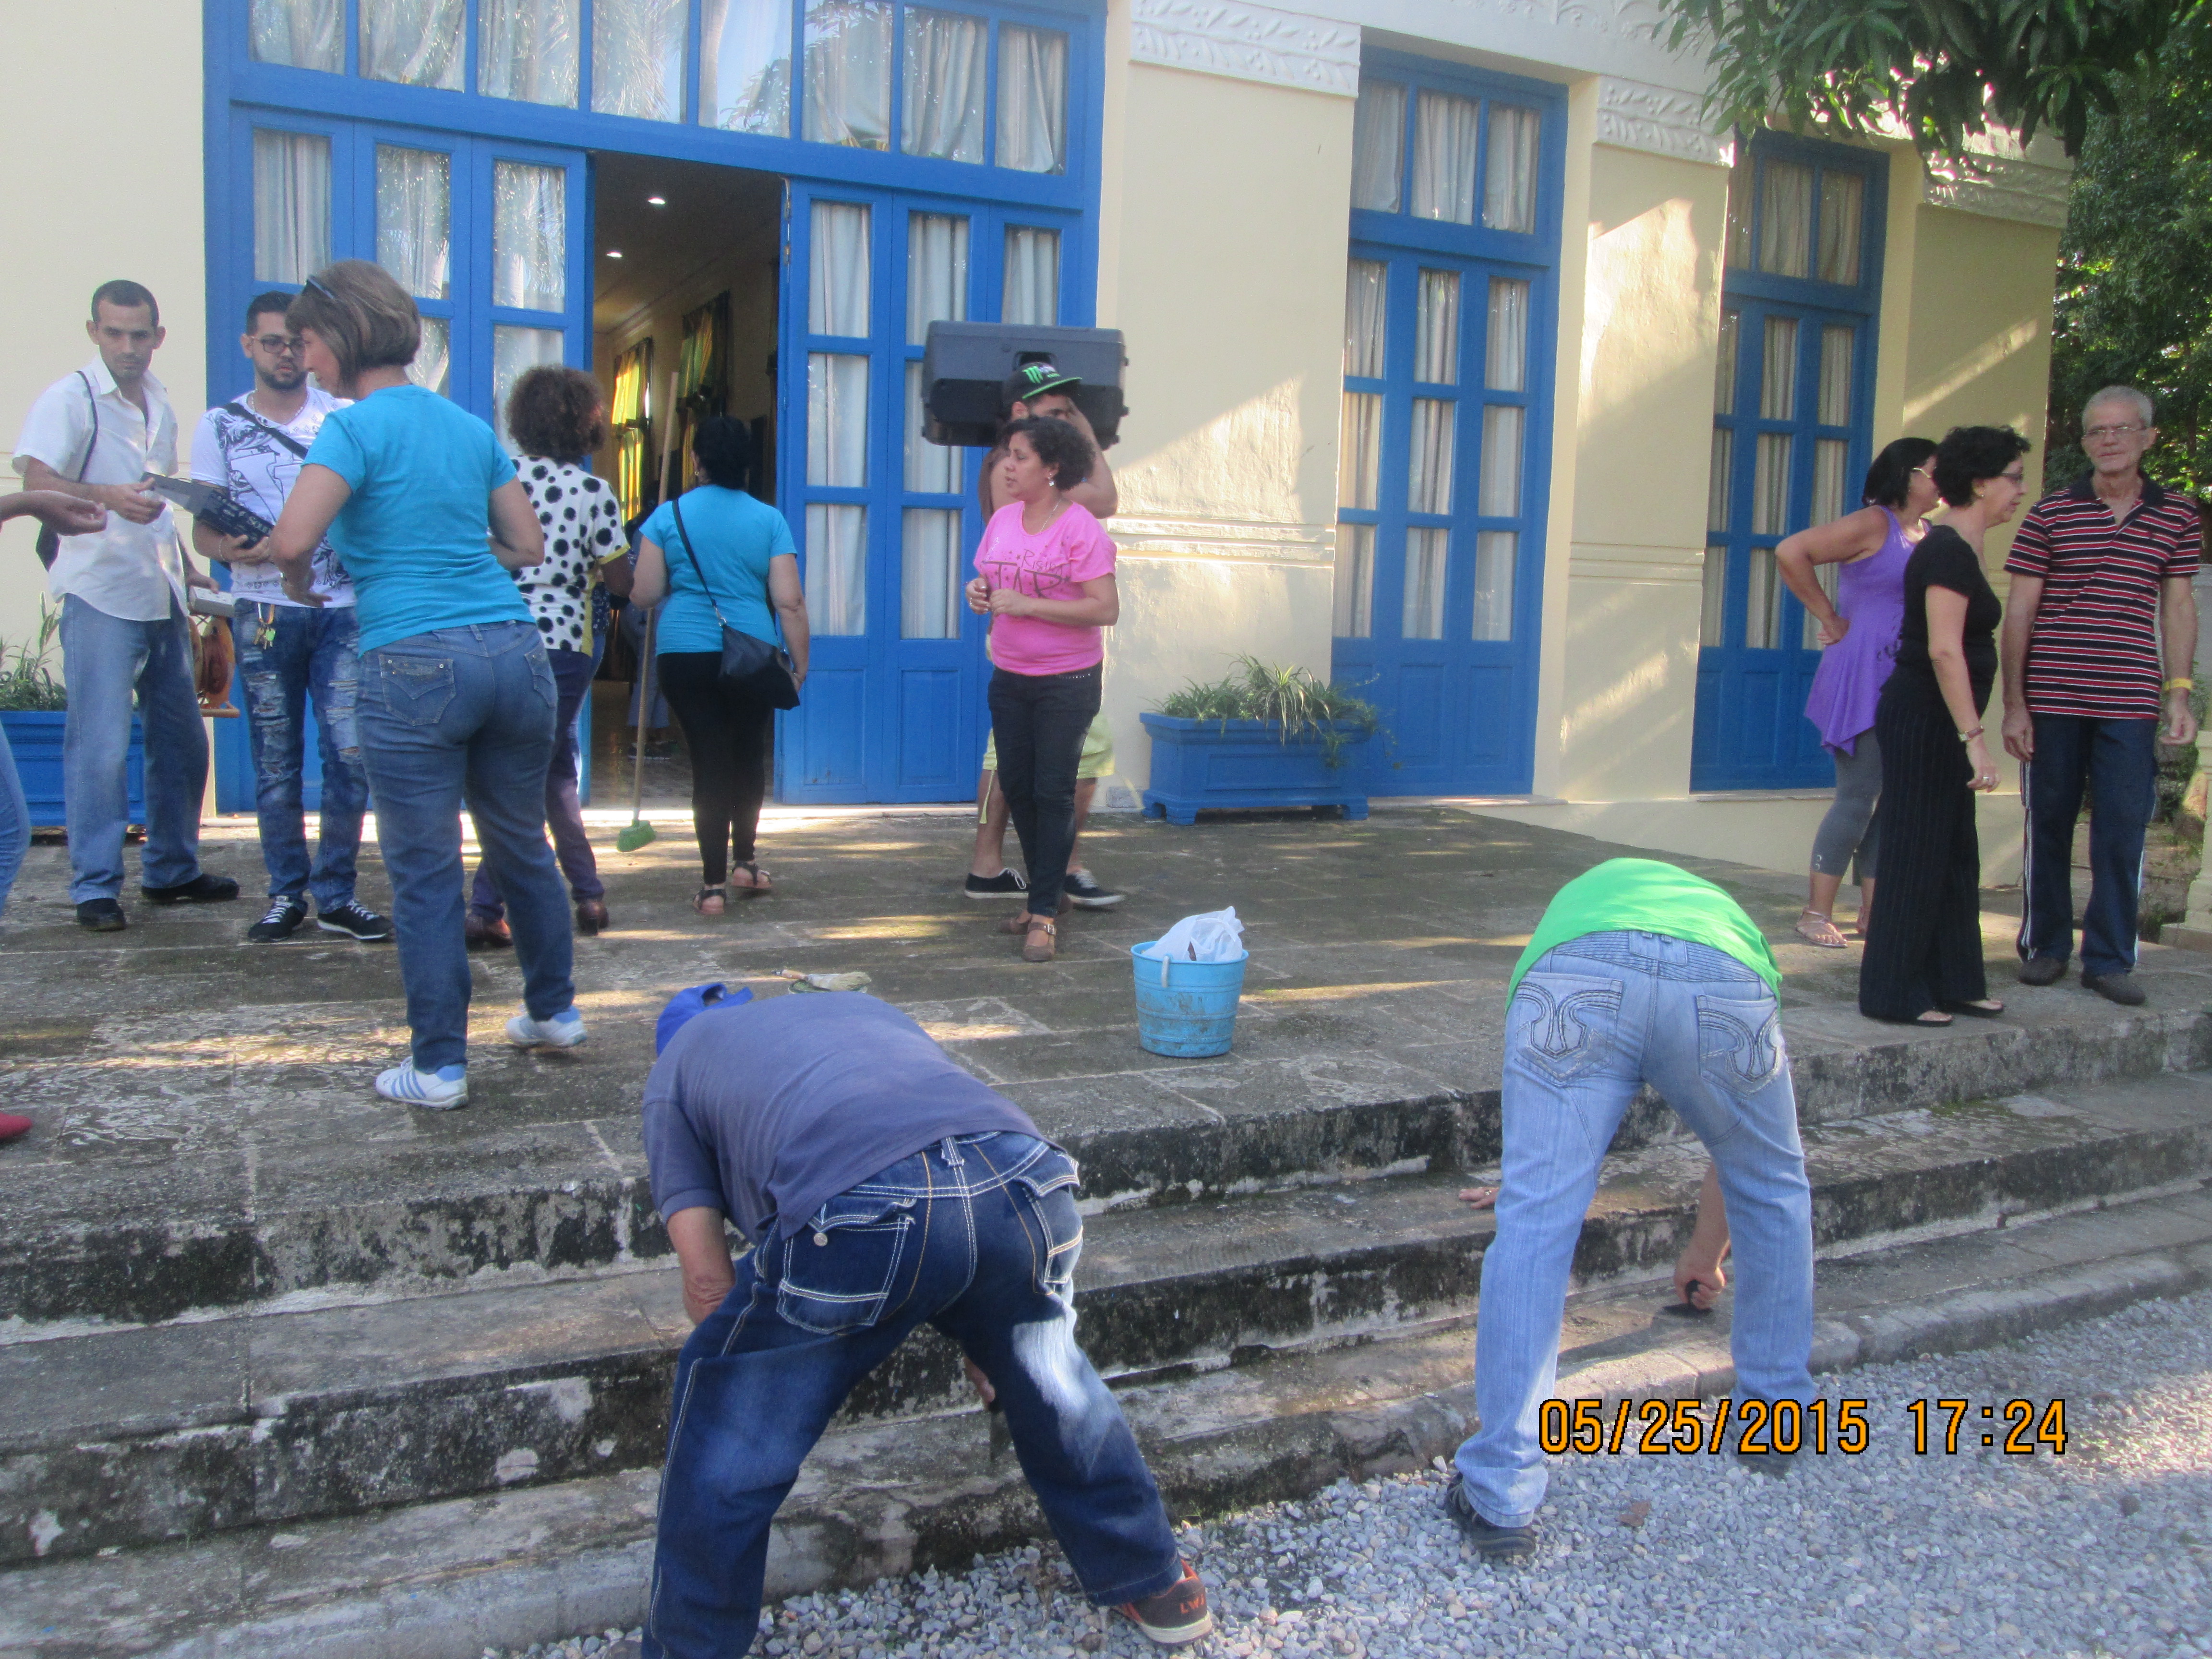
[[361, 314]]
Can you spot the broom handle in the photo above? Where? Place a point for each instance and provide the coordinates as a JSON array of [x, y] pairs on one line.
[[652, 616]]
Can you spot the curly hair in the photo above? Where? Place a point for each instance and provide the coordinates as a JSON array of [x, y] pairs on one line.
[[1066, 452], [1968, 454], [558, 413]]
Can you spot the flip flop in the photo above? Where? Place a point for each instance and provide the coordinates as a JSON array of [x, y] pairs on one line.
[[1816, 929]]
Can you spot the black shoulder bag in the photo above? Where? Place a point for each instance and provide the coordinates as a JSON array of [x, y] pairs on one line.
[[237, 406], [50, 539], [751, 666]]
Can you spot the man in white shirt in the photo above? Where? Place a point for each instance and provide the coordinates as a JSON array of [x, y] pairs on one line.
[[289, 652], [96, 433]]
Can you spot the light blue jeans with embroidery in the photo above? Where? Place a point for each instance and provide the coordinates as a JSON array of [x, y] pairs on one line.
[[1592, 1022]]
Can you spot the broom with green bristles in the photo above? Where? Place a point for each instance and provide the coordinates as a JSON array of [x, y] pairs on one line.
[[638, 833]]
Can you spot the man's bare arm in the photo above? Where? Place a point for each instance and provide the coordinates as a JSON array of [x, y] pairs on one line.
[[704, 1252], [2177, 617], [133, 501], [2022, 602]]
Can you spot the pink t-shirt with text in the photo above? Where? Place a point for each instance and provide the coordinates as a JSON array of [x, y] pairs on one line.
[[1053, 564]]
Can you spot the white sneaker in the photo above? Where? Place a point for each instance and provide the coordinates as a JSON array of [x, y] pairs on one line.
[[564, 1030], [437, 1091]]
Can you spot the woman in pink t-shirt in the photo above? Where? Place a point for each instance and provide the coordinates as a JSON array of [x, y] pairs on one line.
[[1045, 577]]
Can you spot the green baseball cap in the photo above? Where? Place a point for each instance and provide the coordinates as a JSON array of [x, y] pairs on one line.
[[1035, 379]]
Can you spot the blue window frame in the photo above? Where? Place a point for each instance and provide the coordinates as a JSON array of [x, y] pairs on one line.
[[1792, 435], [1445, 448]]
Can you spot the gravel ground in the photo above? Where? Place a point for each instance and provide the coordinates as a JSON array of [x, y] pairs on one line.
[[2106, 1550]]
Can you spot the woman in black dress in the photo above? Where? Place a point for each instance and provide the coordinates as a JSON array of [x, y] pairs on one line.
[[1923, 948]]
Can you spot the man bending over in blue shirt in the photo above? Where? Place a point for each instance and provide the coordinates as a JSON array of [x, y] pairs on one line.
[[882, 1187]]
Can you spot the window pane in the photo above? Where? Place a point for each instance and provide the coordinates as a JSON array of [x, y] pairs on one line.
[[1032, 275], [1739, 209], [1355, 581], [291, 206], [1718, 483], [1365, 289], [1785, 219], [512, 350], [1424, 615], [1831, 458], [1770, 485], [1495, 551], [1506, 357], [305, 33], [848, 73], [744, 67], [637, 57], [1712, 615], [1724, 362], [837, 568], [1835, 377], [1843, 204], [1435, 335], [936, 272], [527, 49], [1777, 375], [1360, 457], [931, 469], [1032, 99], [529, 236], [1500, 494], [1446, 140], [1762, 613], [1829, 576], [414, 217], [415, 42], [1429, 470], [837, 269], [837, 419], [1378, 148], [929, 574], [945, 72], [1509, 185], [432, 360]]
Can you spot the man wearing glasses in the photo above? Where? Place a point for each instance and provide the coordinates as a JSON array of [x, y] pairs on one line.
[[289, 652], [2099, 636]]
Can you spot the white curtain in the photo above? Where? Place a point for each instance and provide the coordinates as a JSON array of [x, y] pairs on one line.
[[1777, 382], [929, 574], [1032, 275], [1762, 611], [1423, 614], [931, 469], [1829, 576], [837, 419], [1720, 480], [527, 49], [1435, 335], [936, 290], [848, 73], [1505, 352], [1829, 479], [1724, 362], [1843, 204], [837, 269], [1032, 99], [1495, 550], [1355, 581], [637, 57], [1498, 495], [1835, 377], [1509, 185], [1360, 454], [1378, 146], [1785, 219], [304, 33], [1447, 142], [1429, 470], [1770, 485], [1712, 615], [1366, 290], [946, 68], [745, 66], [291, 206], [434, 359], [837, 568], [416, 42], [414, 218], [529, 236], [513, 350]]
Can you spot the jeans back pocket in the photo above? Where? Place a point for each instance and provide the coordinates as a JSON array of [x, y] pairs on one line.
[[1561, 1023], [1045, 1194], [838, 1269], [1739, 1040], [413, 691]]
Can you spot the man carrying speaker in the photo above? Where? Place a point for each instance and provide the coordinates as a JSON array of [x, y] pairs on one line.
[[1042, 390]]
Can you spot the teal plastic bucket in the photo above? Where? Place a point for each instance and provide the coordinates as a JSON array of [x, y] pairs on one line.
[[1186, 1010]]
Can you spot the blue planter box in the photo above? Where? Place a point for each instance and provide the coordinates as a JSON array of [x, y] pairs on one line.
[[1199, 764], [35, 737]]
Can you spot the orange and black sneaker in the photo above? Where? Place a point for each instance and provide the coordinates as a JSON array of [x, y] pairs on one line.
[[1177, 1615]]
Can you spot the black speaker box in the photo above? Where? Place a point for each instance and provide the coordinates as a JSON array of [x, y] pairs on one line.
[[964, 368]]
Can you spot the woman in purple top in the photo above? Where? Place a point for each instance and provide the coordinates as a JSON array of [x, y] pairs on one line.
[[1859, 636]]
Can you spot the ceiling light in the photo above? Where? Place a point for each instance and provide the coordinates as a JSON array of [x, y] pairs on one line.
[[656, 201], [614, 254]]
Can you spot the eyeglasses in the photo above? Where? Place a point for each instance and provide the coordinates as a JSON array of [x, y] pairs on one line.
[[2098, 434], [280, 345], [320, 289], [1926, 472]]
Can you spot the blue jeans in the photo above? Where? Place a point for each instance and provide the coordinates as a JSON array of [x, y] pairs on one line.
[[978, 1236], [309, 653], [105, 659], [2118, 762], [1590, 1024], [15, 822], [564, 813], [455, 715]]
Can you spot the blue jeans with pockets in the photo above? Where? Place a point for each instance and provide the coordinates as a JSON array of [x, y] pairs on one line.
[[977, 1236], [1591, 1023], [287, 654]]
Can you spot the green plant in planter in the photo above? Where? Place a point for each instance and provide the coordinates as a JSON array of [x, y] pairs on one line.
[[26, 682], [1303, 703]]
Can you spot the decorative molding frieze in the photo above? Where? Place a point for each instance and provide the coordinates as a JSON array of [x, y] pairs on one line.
[[1999, 187], [1636, 115], [1137, 535], [1247, 42]]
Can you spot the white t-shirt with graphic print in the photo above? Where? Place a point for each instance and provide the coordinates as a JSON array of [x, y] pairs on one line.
[[583, 526], [246, 459]]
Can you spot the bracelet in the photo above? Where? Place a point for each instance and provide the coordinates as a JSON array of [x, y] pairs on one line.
[[1968, 737], [2181, 682]]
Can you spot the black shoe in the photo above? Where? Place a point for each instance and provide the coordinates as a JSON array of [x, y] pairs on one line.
[[101, 917], [1007, 884], [2119, 987], [280, 921], [1079, 885], [2043, 970], [1771, 1463], [203, 889], [355, 922], [1177, 1615], [1493, 1543]]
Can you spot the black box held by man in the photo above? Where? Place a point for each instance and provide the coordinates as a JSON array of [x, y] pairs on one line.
[[964, 368]]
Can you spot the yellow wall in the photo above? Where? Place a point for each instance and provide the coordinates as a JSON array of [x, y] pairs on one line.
[[98, 184]]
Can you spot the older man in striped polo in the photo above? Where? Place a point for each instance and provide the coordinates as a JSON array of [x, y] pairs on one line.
[[2099, 635]]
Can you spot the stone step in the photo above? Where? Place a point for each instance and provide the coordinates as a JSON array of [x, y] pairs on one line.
[[445, 1580], [127, 1437], [561, 1200]]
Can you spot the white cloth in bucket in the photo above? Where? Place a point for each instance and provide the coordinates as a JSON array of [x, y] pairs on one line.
[[1210, 936]]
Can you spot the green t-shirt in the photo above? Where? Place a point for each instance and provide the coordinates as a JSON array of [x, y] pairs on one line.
[[1646, 896]]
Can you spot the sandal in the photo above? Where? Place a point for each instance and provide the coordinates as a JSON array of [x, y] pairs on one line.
[[1019, 921], [1816, 929], [756, 882], [709, 901], [1036, 949], [1987, 1008]]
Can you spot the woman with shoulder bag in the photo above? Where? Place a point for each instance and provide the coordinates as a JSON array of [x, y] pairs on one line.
[[730, 570]]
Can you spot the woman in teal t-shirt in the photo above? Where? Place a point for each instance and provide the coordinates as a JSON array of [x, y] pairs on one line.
[[457, 700]]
